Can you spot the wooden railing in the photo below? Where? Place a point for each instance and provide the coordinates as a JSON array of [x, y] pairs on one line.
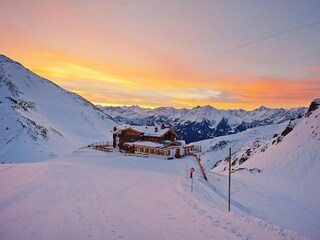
[[105, 148], [200, 165]]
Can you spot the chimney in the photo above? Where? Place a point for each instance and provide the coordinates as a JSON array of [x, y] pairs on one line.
[[156, 129], [163, 126]]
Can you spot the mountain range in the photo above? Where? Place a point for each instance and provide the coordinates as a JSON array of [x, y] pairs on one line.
[[40, 120], [205, 122]]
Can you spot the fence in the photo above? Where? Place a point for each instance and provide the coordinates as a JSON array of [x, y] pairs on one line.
[[102, 143], [105, 146]]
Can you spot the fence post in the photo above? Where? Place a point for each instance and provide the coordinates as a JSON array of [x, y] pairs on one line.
[[191, 177], [187, 171], [191, 184]]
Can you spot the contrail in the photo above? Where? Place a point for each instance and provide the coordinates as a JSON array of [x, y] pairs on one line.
[[268, 37]]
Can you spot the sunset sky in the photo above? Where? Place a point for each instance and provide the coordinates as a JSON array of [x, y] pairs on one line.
[[181, 53]]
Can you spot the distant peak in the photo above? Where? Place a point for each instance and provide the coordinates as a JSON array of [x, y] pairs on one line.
[[206, 107], [135, 107], [261, 108]]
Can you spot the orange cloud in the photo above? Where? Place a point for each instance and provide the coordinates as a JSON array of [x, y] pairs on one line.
[[270, 92], [112, 55], [102, 84]]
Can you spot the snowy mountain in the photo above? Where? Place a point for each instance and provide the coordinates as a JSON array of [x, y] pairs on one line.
[[297, 153], [292, 151], [88, 194], [40, 120], [201, 123], [215, 151], [274, 171]]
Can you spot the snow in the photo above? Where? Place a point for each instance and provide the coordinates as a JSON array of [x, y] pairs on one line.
[[149, 130], [297, 154], [284, 192], [202, 123], [316, 101], [141, 116], [216, 149], [96, 195], [290, 171], [89, 194], [40, 120]]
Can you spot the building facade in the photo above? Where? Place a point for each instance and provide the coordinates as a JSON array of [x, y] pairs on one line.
[[150, 140]]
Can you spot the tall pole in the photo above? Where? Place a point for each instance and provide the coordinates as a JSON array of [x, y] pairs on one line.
[[191, 184], [229, 192]]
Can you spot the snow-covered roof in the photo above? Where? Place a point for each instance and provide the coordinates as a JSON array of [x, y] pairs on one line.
[[182, 142], [150, 130], [189, 145]]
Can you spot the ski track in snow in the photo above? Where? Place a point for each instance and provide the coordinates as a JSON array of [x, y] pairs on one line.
[[91, 195]]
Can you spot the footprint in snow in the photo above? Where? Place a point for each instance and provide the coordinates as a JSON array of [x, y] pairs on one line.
[[202, 211]]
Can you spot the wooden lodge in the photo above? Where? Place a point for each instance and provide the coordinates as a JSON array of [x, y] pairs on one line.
[[150, 140]]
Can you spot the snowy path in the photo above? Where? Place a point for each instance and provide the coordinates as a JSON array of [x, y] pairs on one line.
[[92, 195]]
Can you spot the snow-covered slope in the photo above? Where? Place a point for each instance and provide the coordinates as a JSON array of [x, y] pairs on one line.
[[293, 151], [40, 120], [204, 122], [274, 172], [98, 195], [298, 153], [215, 150]]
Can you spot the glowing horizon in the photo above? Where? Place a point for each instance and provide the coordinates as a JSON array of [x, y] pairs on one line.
[[174, 53]]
